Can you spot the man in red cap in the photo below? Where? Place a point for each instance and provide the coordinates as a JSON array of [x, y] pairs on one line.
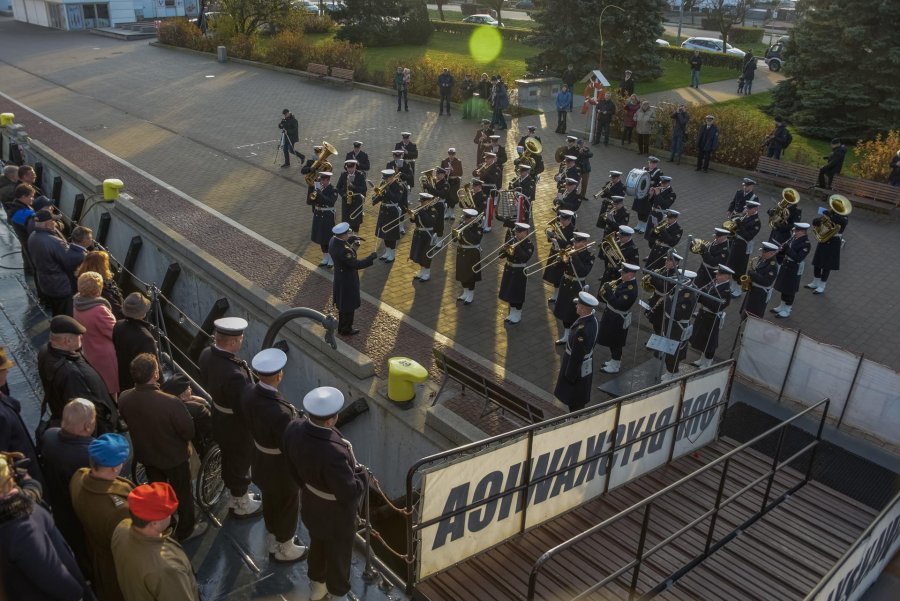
[[150, 565]]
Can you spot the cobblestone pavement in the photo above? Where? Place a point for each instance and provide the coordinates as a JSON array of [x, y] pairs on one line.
[[215, 137]]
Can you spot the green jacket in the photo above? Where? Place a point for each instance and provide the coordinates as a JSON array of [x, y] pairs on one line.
[[152, 569]]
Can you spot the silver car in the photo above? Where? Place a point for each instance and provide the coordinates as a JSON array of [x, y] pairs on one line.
[[711, 45]]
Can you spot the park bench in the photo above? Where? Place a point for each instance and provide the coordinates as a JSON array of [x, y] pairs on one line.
[[879, 197], [787, 174], [342, 74], [317, 69], [501, 397]]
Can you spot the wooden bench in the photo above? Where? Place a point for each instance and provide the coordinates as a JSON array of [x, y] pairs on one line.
[[317, 69], [874, 195], [492, 393], [787, 174], [342, 74]]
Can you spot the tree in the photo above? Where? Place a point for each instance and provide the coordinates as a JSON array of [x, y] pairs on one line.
[[497, 5], [565, 33], [725, 14], [248, 16], [629, 39], [386, 22], [842, 61], [440, 5]]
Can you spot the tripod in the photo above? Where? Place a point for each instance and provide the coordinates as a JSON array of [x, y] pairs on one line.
[[284, 142]]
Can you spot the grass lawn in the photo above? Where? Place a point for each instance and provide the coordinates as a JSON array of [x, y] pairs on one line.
[[805, 150]]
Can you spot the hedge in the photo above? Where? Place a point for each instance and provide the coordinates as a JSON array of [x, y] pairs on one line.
[[737, 35], [515, 34], [710, 59]]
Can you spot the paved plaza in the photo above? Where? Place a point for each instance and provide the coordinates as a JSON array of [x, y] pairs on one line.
[[215, 138]]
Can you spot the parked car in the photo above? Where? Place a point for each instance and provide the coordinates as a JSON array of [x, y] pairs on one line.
[[334, 7], [661, 42], [711, 45], [307, 5], [775, 55], [524, 5], [483, 20]]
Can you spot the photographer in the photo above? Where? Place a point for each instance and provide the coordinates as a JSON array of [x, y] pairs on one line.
[[290, 135]]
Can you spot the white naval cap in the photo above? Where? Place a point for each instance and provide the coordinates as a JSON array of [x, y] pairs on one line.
[[572, 138], [405, 134], [451, 150], [801, 226], [470, 212], [721, 231], [569, 157], [230, 326], [571, 181], [524, 167], [665, 178], [581, 235], [522, 227], [627, 230], [342, 228], [324, 173], [357, 143], [748, 181], [672, 213], [724, 269], [323, 401], [768, 246], [491, 154], [652, 159], [425, 196], [398, 152], [617, 199], [688, 274], [752, 203], [586, 298], [495, 137], [532, 127], [630, 267], [615, 174], [387, 172], [351, 162], [566, 213], [269, 361]]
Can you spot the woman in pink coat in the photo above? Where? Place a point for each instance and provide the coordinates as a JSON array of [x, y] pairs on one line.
[[94, 313], [628, 120]]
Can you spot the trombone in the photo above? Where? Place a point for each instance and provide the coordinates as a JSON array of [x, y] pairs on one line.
[[444, 242], [411, 213], [497, 253], [554, 259]]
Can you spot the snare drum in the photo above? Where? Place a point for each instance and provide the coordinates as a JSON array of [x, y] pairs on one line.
[[637, 183]]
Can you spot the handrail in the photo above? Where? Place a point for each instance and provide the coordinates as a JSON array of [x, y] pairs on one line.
[[647, 504], [528, 430]]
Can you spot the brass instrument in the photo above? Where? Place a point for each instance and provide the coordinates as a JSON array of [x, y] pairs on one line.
[[452, 236], [560, 256], [608, 287], [321, 163], [383, 186], [609, 246], [699, 245], [745, 280], [647, 284], [560, 155], [411, 213], [781, 214], [731, 224], [605, 188], [828, 229], [479, 171], [659, 228], [427, 179], [465, 196], [555, 233], [532, 147], [500, 251]]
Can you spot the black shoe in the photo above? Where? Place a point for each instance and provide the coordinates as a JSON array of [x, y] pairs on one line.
[[285, 165], [302, 157], [441, 114], [350, 332], [407, 109], [398, 109]]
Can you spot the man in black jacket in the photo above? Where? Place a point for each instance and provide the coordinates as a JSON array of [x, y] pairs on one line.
[[346, 276], [54, 262], [445, 87], [606, 108], [132, 336], [834, 164], [290, 135], [778, 140], [66, 375]]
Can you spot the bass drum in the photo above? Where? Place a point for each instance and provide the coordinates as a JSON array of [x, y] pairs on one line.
[[637, 183]]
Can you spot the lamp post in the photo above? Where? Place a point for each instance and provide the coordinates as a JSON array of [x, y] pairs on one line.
[[601, 28]]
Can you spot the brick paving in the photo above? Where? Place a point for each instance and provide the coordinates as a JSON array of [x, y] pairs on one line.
[[214, 138]]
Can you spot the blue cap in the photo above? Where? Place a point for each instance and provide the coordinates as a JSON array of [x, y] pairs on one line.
[[109, 450]]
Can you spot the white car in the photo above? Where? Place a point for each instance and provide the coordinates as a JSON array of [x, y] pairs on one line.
[[661, 42], [482, 20], [711, 45]]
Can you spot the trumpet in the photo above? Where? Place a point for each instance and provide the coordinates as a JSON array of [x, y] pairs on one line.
[[607, 288], [699, 245], [452, 236], [561, 256], [504, 249], [660, 228], [479, 171], [321, 163], [605, 189], [732, 224]]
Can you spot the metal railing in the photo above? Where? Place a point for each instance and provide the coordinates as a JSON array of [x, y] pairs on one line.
[[529, 431], [641, 554]]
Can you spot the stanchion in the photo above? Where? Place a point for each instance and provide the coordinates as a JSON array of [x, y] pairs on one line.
[[370, 574]]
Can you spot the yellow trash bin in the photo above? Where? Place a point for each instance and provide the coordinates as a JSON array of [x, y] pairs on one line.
[[111, 188], [403, 375], [6, 119]]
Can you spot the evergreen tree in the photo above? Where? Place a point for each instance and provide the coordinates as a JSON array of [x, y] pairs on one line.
[[568, 32], [385, 22], [842, 62]]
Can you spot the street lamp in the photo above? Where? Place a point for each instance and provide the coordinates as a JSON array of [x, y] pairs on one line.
[[601, 28]]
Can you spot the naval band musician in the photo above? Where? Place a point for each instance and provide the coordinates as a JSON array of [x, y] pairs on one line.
[[668, 237], [306, 169], [574, 382], [323, 215], [613, 186], [560, 236], [619, 297], [352, 188], [410, 153], [612, 214], [390, 209], [739, 203], [268, 415], [661, 290], [424, 236], [491, 175], [791, 256], [224, 375], [677, 309], [746, 229], [577, 264], [345, 289], [711, 316], [712, 254], [641, 206], [514, 281], [453, 166], [763, 271], [360, 156], [468, 254]]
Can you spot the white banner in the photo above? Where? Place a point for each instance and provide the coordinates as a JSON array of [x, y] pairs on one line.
[[765, 353], [875, 404], [700, 394], [590, 437], [646, 416], [861, 567], [457, 485], [818, 371]]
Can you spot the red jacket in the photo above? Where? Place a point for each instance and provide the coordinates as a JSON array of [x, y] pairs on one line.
[[628, 112]]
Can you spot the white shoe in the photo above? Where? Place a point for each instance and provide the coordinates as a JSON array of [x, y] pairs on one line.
[[317, 590], [515, 315], [704, 362], [324, 261], [698, 362], [245, 506], [611, 367], [786, 312], [470, 296], [425, 275], [564, 338], [781, 306], [667, 375], [271, 543], [487, 229], [462, 296], [289, 551], [388, 255], [814, 284], [820, 289]]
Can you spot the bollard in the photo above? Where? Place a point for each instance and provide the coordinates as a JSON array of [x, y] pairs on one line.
[[6, 119], [403, 375], [111, 189], [221, 54]]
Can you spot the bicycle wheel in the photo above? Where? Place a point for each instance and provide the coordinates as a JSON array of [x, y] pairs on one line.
[[139, 473], [209, 484]]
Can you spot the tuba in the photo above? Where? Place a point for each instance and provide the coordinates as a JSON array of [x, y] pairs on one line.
[[781, 216], [427, 178], [532, 147], [826, 229], [609, 246], [321, 163]]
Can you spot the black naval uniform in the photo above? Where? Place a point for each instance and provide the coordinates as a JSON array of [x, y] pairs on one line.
[[610, 222], [565, 173], [663, 288], [577, 268], [527, 187], [441, 192], [570, 201], [268, 414], [408, 179], [468, 255], [362, 161], [611, 189], [410, 153], [492, 178], [747, 229], [668, 238], [762, 278], [389, 211], [641, 206], [576, 373], [739, 202], [345, 289], [225, 376], [454, 179], [331, 487], [791, 257], [480, 199], [680, 324], [712, 256], [779, 235], [709, 319], [352, 201], [422, 238], [323, 216], [664, 199], [827, 257], [616, 317], [513, 281], [631, 254], [307, 168], [554, 273]]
